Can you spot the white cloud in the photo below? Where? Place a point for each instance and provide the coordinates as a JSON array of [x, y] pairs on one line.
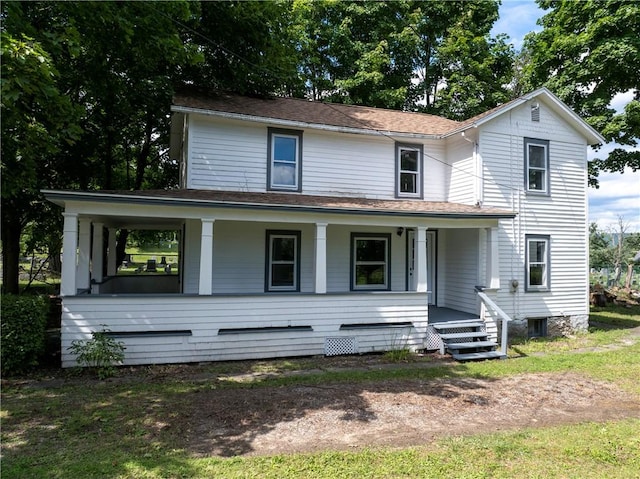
[[620, 100], [517, 18], [618, 196]]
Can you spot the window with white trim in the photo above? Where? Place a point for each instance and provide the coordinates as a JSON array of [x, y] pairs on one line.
[[537, 263], [408, 170], [536, 154], [284, 170], [283, 261], [370, 261]]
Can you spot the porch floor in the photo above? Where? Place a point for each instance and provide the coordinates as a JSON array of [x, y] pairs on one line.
[[443, 315]]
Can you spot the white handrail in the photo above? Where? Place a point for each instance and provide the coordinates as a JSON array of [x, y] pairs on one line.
[[504, 316]]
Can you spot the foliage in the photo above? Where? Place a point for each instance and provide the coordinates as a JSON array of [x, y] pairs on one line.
[[24, 319], [614, 249], [586, 54], [101, 352]]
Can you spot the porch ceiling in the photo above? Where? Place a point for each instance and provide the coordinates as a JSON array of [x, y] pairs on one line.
[[282, 201]]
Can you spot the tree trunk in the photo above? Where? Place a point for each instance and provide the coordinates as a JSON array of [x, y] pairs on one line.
[[11, 232], [627, 282]]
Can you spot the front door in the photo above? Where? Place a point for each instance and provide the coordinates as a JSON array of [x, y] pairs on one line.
[[431, 264]]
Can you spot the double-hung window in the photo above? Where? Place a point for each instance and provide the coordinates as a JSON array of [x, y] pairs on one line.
[[283, 261], [409, 170], [536, 153], [370, 261], [285, 160], [537, 264]]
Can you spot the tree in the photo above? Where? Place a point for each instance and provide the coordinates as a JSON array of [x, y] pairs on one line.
[[587, 53], [37, 122]]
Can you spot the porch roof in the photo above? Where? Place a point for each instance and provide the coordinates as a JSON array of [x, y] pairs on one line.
[[283, 202]]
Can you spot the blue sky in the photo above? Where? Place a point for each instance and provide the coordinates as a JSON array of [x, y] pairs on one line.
[[619, 194]]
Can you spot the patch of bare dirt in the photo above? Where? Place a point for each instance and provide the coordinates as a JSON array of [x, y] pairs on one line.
[[401, 413]]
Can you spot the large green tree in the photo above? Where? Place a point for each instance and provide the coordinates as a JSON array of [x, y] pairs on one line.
[[588, 52]]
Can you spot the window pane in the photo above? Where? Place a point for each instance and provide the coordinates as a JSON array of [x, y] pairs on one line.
[[537, 275], [408, 183], [282, 275], [537, 251], [284, 149], [536, 180], [409, 160], [536, 157], [284, 174], [370, 274], [371, 250], [284, 249]]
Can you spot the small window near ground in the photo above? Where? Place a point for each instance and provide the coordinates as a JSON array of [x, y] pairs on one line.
[[283, 261], [370, 262], [537, 327], [537, 263], [285, 160], [536, 154], [409, 170]]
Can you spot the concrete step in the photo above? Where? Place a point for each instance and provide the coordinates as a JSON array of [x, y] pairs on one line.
[[478, 356], [469, 335], [470, 323], [472, 345]]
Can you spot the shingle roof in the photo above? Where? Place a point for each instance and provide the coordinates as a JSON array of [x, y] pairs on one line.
[[289, 201], [321, 113]]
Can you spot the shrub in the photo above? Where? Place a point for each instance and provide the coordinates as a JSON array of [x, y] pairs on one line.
[[24, 320], [101, 352]]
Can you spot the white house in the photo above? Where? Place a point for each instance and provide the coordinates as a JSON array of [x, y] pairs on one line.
[[314, 228]]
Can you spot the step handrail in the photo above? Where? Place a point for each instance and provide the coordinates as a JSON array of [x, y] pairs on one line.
[[504, 316]]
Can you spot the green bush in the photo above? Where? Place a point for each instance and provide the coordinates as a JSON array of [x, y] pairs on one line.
[[24, 320], [101, 353]]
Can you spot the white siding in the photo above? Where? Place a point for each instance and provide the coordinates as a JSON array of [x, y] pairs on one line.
[[231, 155], [459, 262], [204, 316], [562, 215], [462, 174]]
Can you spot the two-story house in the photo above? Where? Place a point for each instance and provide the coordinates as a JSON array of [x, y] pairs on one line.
[[312, 228]]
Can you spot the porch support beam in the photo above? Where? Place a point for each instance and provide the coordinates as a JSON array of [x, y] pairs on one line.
[[321, 258], [493, 258], [421, 259], [97, 252], [111, 253], [206, 257], [84, 252], [69, 254]]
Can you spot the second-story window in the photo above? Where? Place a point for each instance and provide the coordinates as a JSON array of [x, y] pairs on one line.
[[408, 170], [536, 154], [285, 160]]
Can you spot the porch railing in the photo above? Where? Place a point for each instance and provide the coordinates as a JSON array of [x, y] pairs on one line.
[[488, 306]]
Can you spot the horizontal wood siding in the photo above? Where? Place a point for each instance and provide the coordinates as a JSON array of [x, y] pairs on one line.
[[462, 174], [460, 265], [232, 155], [205, 315], [562, 214]]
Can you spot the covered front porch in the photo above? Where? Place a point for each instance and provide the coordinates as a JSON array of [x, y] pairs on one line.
[[259, 282]]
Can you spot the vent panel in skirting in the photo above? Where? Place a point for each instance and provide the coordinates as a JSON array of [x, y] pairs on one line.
[[340, 346]]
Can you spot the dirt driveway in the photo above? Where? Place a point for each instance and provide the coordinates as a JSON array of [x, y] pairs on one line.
[[396, 413]]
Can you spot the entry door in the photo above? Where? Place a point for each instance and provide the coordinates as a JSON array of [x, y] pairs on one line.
[[431, 264]]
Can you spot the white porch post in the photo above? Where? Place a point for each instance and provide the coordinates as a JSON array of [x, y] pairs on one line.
[[111, 253], [493, 258], [421, 259], [69, 254], [206, 257], [321, 258], [97, 252], [84, 250]]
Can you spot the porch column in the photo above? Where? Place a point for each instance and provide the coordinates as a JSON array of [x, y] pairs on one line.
[[321, 258], [206, 257], [97, 252], [421, 259], [111, 253], [493, 257], [84, 251], [69, 254]]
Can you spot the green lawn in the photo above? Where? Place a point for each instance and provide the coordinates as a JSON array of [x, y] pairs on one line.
[[94, 429]]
